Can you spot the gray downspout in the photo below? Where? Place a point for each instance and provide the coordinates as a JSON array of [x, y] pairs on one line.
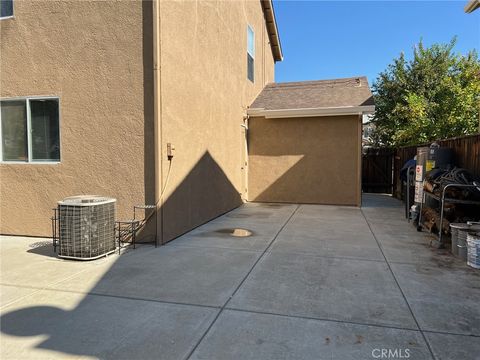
[[157, 118]]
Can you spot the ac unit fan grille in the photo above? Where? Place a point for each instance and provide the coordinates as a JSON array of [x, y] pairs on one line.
[[86, 231]]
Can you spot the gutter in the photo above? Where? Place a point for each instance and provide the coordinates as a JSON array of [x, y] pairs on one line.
[[311, 112], [472, 5], [157, 110], [272, 29]]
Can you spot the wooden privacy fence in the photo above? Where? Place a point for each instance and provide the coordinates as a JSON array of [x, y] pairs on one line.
[[466, 151], [381, 166], [377, 170]]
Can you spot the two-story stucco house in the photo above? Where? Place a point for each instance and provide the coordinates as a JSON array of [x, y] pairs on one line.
[[170, 103], [93, 91]]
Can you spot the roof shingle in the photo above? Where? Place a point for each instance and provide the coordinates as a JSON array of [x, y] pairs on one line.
[[315, 94]]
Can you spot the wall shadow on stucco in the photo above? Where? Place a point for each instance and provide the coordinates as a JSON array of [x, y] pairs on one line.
[[307, 187], [205, 193], [301, 168], [106, 315], [148, 105]]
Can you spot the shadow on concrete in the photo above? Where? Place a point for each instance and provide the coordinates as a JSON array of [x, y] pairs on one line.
[[375, 200], [205, 193], [71, 331], [43, 248]]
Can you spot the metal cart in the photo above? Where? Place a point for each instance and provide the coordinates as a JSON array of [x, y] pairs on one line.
[[443, 200]]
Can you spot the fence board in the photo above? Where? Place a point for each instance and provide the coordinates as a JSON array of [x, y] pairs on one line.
[[466, 150]]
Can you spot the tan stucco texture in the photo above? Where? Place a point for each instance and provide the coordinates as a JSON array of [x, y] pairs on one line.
[[90, 55], [204, 96], [97, 57], [305, 160]]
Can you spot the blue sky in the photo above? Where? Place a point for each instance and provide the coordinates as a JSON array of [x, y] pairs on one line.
[[333, 39]]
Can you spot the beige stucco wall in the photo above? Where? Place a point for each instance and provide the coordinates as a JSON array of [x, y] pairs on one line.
[[205, 92], [92, 55], [305, 160], [97, 58]]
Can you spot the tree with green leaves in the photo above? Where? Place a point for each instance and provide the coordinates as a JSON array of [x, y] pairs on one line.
[[435, 95]]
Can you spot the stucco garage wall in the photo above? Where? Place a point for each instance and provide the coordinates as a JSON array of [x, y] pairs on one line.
[[305, 160], [92, 55], [205, 93]]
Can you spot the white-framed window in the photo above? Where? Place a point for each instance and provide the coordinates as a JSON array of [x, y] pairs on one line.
[[6, 9], [30, 130], [250, 54]]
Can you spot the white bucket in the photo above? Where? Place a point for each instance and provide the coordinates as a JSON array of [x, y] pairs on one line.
[[473, 248]]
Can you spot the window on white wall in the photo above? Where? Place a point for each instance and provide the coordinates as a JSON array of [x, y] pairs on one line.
[[30, 130], [6, 8], [250, 54]]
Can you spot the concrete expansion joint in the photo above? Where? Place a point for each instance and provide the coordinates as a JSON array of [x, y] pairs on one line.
[[242, 282], [329, 257], [384, 326], [399, 287], [96, 294], [39, 288], [231, 309], [210, 247]]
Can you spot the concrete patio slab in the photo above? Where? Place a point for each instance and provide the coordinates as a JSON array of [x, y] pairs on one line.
[[219, 237], [261, 211], [31, 262], [357, 226], [313, 281], [327, 238], [380, 201], [243, 336], [61, 325], [334, 211], [454, 347], [385, 228], [443, 298], [389, 223], [318, 215], [394, 211], [417, 254], [35, 270], [256, 214], [263, 220], [325, 288], [203, 276], [9, 294], [331, 247]]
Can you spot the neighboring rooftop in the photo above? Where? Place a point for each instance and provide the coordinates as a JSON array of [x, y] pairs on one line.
[[337, 93]]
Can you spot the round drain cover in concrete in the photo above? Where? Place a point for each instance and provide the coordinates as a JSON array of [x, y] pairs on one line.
[[237, 232]]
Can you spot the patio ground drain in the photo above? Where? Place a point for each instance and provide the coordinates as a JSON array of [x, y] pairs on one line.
[[237, 232]]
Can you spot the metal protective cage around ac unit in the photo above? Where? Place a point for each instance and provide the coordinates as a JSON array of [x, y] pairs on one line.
[[86, 227]]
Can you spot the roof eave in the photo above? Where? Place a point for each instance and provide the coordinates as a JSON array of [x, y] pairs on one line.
[[272, 29], [311, 112], [472, 5]]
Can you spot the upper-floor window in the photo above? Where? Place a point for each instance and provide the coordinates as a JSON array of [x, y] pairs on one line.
[[250, 54], [6, 8], [29, 130]]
